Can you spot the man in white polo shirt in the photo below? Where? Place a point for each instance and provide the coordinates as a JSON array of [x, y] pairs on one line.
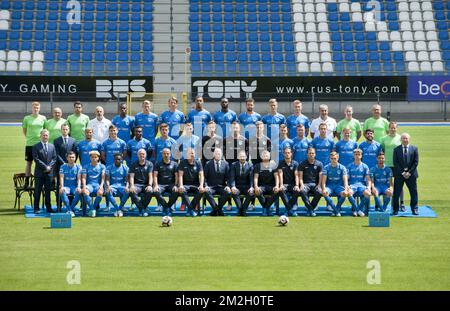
[[323, 118], [100, 125]]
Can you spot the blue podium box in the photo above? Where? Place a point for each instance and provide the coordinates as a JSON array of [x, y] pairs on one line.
[[379, 219], [60, 220]]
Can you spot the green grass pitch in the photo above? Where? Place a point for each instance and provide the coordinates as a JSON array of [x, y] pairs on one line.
[[231, 253]]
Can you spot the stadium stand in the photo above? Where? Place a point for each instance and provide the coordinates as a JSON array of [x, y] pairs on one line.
[[230, 37]]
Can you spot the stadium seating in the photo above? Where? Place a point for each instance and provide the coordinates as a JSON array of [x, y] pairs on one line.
[[107, 42], [230, 37]]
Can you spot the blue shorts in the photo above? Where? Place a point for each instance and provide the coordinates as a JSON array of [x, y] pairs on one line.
[[358, 189], [70, 190], [381, 189], [117, 190], [334, 190], [93, 188]]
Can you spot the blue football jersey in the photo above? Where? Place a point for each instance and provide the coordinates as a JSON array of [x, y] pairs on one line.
[[188, 142], [117, 175], [224, 120], [323, 149], [83, 149], [124, 126], [112, 147], [300, 149], [345, 150], [248, 122], [273, 122], [174, 120], [149, 123], [134, 145], [93, 173], [370, 152], [70, 174], [357, 174], [335, 174], [283, 144], [381, 176], [160, 144], [199, 120], [292, 121]]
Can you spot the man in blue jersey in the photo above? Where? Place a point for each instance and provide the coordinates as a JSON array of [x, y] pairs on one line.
[[173, 117], [249, 118], [162, 142], [307, 181], [199, 117], [360, 184], [323, 145], [286, 181], [148, 120], [301, 143], [284, 142], [136, 144], [112, 146], [382, 183], [265, 182], [335, 183], [124, 123], [370, 149], [87, 145], [141, 181], [224, 118], [165, 180], [272, 120], [296, 119], [191, 181], [92, 181], [70, 182], [345, 147], [117, 184]]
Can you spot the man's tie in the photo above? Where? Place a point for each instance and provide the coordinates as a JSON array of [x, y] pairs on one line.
[[217, 167], [242, 169], [45, 149], [405, 154], [65, 140]]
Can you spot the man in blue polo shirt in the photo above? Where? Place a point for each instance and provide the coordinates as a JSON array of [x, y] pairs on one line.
[[249, 118], [117, 184], [162, 142], [301, 143], [93, 180], [382, 183], [360, 184], [272, 120], [345, 148], [224, 118], [124, 123], [323, 145], [136, 144], [199, 117], [87, 145], [296, 119], [173, 117], [148, 120], [370, 149], [112, 146], [70, 182]]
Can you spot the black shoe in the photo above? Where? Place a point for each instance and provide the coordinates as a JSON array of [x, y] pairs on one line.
[[402, 208], [415, 212], [220, 212], [395, 213], [213, 213]]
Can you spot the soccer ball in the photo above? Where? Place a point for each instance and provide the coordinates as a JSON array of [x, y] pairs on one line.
[[283, 220], [166, 221]]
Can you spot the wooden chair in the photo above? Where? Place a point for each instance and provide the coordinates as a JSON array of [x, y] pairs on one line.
[[20, 188]]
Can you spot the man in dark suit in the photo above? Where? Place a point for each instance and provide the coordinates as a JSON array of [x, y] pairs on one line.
[[216, 182], [63, 145], [240, 182], [406, 160], [44, 156]]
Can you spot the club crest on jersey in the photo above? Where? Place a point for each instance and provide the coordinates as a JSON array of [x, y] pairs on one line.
[[338, 171]]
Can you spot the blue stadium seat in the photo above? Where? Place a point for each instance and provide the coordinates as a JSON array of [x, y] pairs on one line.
[[386, 56], [348, 36], [62, 56], [206, 27], [193, 17], [217, 27], [336, 36], [263, 18], [124, 26], [333, 17], [147, 57], [375, 67], [218, 57], [193, 37], [438, 6], [361, 56], [206, 47], [289, 47], [230, 47], [337, 56], [123, 46], [123, 67], [348, 46], [443, 35], [111, 36], [218, 46], [205, 18], [111, 56], [50, 45], [388, 67], [372, 46], [339, 67], [333, 26], [75, 46], [86, 57], [206, 36], [207, 67], [38, 45], [394, 26], [99, 67], [358, 26], [374, 56], [290, 57], [384, 46], [26, 45], [336, 47], [287, 27], [351, 67], [242, 57], [74, 56], [363, 67], [195, 46], [350, 57], [346, 26]]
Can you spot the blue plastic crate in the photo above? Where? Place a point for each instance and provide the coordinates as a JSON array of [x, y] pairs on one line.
[[379, 219], [60, 220]]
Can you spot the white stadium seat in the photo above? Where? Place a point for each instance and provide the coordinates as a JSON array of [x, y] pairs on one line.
[[413, 66], [311, 36], [310, 27], [414, 6], [435, 56], [24, 66], [310, 18], [355, 7], [428, 16], [299, 27], [2, 65], [410, 56], [325, 57], [25, 56], [344, 7], [325, 46], [38, 56], [2, 55], [383, 36], [395, 36], [381, 26], [433, 46], [322, 18], [13, 55], [313, 47], [4, 25], [297, 8], [421, 46], [423, 56], [426, 6], [432, 35], [303, 67], [425, 66], [357, 16], [419, 36], [302, 57], [321, 8], [438, 66], [314, 57], [322, 27], [416, 16], [403, 16], [397, 46], [406, 25], [37, 66], [300, 37], [324, 36], [309, 8], [403, 7], [4, 15], [429, 25], [300, 47], [315, 67], [11, 66], [417, 26], [370, 26], [327, 67], [407, 36], [298, 17], [408, 46], [369, 17]]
